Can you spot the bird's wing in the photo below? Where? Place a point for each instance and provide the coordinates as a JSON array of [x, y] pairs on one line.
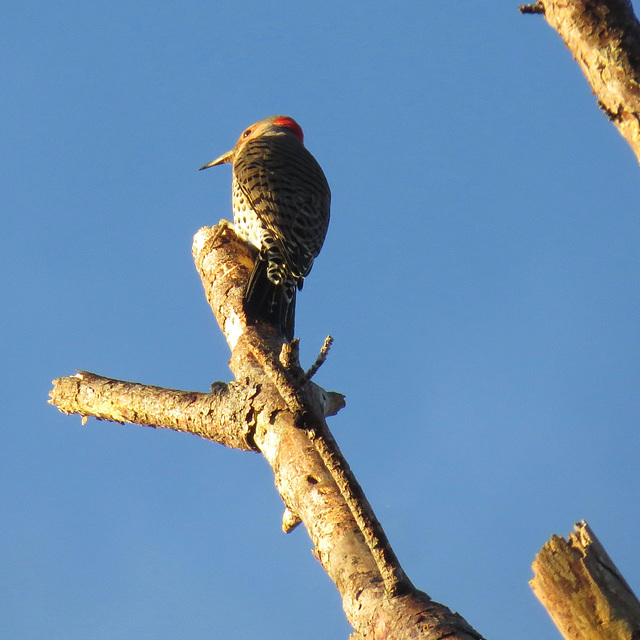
[[289, 193]]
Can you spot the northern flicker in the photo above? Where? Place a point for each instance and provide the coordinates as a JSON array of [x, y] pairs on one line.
[[281, 207]]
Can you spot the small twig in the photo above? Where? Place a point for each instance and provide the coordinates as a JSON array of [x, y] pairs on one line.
[[224, 226], [320, 360], [290, 356], [536, 7]]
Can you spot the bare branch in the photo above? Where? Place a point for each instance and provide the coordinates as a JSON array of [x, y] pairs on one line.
[[583, 591], [213, 416], [604, 38], [536, 7], [322, 357]]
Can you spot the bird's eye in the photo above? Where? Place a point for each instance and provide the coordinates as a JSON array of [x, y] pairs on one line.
[[246, 133]]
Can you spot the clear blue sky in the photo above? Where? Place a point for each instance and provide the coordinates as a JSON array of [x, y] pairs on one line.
[[480, 277]]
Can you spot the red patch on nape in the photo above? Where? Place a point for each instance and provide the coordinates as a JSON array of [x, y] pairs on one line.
[[290, 123]]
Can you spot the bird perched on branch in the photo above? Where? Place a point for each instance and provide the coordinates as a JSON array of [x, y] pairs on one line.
[[281, 207]]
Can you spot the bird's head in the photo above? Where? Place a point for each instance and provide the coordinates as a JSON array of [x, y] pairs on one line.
[[271, 126]]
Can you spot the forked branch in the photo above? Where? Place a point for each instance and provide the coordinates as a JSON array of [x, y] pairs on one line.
[[273, 407]]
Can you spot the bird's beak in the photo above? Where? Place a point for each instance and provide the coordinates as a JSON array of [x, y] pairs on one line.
[[225, 157]]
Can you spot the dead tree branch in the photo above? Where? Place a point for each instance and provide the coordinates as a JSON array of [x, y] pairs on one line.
[[274, 408], [213, 416], [583, 591], [604, 38]]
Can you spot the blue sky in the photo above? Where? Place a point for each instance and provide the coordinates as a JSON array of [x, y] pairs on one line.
[[480, 278]]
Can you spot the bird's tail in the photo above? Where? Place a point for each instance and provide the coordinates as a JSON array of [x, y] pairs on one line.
[[272, 303]]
